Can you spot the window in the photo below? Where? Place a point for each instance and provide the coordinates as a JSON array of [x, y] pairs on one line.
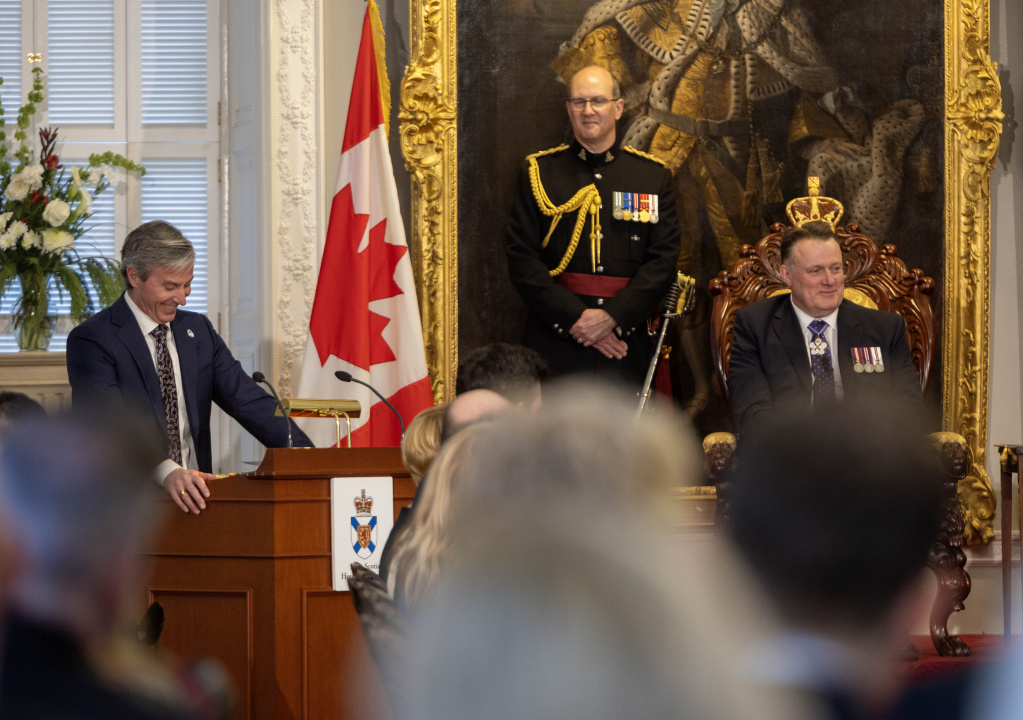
[[141, 78]]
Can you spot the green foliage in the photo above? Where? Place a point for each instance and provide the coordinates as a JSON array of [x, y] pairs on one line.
[[106, 279], [112, 158], [81, 303]]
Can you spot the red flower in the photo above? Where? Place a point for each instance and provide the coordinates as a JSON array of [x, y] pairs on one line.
[[51, 161]]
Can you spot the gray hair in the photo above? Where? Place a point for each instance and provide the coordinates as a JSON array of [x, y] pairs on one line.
[[152, 245]]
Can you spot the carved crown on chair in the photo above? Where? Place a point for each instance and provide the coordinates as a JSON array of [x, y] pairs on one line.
[[814, 207]]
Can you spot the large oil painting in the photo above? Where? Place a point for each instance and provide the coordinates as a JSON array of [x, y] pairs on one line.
[[893, 105]]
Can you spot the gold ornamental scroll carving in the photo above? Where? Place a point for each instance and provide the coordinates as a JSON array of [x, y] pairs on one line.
[[429, 144], [973, 123], [429, 138]]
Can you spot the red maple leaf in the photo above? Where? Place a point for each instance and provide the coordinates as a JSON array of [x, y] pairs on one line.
[[342, 323]]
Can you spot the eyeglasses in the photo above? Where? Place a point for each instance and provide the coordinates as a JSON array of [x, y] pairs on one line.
[[597, 103]]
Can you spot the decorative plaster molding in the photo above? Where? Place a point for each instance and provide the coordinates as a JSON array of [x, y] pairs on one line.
[[295, 181]]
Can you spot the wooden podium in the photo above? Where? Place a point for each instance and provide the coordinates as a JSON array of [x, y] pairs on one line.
[[248, 582]]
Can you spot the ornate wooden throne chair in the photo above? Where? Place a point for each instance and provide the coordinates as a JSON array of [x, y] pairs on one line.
[[876, 278]]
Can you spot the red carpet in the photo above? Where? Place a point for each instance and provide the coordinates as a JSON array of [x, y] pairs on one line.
[[983, 649]]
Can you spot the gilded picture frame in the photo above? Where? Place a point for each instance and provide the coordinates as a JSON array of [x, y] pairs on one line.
[[973, 120]]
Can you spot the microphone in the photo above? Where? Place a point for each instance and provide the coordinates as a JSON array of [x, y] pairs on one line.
[[347, 377], [826, 362], [261, 378]]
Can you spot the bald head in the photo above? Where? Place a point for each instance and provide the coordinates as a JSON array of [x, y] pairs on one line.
[[594, 107], [470, 407]]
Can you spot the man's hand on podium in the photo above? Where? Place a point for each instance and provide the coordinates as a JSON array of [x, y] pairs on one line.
[[188, 489]]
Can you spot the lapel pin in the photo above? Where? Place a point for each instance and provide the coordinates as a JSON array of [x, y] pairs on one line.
[[190, 333]]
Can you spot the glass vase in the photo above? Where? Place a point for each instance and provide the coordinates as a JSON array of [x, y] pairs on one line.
[[32, 325]]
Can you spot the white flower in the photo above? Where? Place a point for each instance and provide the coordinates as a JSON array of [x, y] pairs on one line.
[[56, 212], [76, 181], [31, 239], [57, 241], [8, 240], [18, 188], [95, 177], [84, 205], [18, 228], [107, 170], [4, 219], [34, 174]]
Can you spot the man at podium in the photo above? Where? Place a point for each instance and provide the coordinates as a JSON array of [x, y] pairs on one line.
[[144, 351]]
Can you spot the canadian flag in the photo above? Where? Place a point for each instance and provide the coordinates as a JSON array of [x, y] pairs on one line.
[[365, 319]]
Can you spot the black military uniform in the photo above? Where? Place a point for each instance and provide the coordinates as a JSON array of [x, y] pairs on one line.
[[623, 265]]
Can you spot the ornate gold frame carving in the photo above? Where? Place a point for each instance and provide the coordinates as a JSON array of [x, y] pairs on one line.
[[973, 123], [973, 116], [429, 142]]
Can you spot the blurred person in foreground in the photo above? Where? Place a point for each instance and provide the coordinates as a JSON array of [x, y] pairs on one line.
[[418, 448], [562, 598], [514, 371], [467, 408], [77, 497], [834, 510], [15, 408], [421, 546]]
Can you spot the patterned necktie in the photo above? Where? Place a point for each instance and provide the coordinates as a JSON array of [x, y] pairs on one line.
[[169, 390], [820, 363]]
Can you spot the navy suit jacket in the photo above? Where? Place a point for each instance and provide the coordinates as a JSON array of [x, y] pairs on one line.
[[108, 360], [769, 367]]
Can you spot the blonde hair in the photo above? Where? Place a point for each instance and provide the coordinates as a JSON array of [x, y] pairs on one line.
[[422, 440], [423, 545]]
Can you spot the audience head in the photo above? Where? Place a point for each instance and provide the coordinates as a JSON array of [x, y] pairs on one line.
[[514, 371], [835, 511], [422, 546], [16, 408], [422, 440], [559, 598], [583, 447], [470, 407], [80, 504]]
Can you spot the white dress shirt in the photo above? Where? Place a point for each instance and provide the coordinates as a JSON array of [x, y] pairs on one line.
[[188, 457], [830, 336]]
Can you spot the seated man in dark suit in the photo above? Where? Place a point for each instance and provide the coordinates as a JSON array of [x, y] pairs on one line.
[[812, 346], [143, 351]]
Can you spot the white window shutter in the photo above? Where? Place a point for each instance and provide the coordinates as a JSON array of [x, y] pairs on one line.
[[176, 190], [175, 70], [81, 83]]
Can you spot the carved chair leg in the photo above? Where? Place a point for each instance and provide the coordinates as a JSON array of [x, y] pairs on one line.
[[946, 557], [719, 456]]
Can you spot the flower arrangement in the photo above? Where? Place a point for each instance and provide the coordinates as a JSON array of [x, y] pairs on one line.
[[44, 211]]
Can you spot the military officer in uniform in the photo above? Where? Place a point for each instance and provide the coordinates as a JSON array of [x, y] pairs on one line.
[[594, 241]]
